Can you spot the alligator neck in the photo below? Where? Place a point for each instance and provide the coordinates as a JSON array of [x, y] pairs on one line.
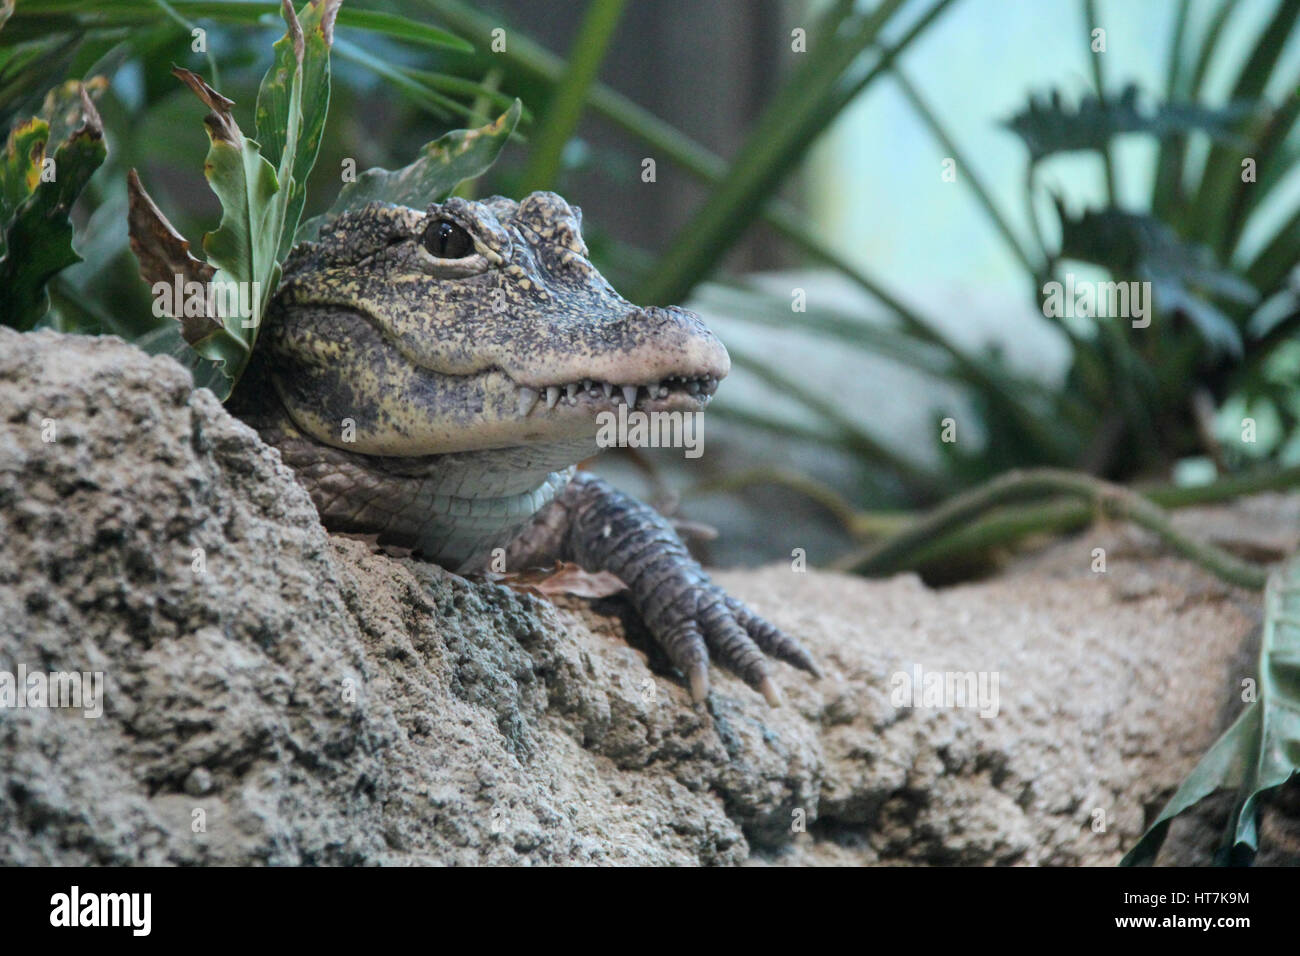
[[453, 509]]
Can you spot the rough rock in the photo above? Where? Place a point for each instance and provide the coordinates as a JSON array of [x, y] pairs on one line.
[[275, 694]]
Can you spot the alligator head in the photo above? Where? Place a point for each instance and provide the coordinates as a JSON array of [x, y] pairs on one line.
[[467, 326]]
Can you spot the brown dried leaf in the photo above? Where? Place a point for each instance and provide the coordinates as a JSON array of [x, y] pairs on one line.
[[564, 578], [220, 122], [164, 255], [327, 19], [294, 30]]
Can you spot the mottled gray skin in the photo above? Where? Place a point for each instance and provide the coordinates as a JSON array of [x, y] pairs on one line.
[[441, 403]]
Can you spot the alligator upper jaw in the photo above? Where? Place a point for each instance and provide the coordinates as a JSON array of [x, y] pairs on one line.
[[674, 392]]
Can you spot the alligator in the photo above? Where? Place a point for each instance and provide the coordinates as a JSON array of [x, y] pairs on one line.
[[432, 376]]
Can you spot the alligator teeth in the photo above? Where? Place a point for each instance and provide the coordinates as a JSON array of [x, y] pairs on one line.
[[529, 397]]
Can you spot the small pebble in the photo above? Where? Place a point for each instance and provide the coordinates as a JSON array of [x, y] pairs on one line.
[[198, 782]]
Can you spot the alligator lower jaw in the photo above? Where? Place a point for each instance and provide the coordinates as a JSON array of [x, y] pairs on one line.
[[678, 393]]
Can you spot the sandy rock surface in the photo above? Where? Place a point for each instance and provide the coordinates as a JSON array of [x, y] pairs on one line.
[[277, 694]]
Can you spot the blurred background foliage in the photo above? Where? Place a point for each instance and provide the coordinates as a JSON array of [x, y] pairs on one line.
[[846, 370]]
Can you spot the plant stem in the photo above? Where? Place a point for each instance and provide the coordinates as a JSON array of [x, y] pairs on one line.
[[1099, 81], [1003, 526], [780, 135], [967, 174], [570, 94], [860, 524], [900, 550]]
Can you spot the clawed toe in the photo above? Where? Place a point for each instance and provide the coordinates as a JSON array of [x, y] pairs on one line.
[[731, 635]]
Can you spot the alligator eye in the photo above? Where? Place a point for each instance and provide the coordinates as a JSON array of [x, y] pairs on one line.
[[446, 240]]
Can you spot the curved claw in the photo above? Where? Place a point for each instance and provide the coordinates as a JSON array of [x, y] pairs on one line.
[[698, 676], [770, 691], [774, 641], [685, 647]]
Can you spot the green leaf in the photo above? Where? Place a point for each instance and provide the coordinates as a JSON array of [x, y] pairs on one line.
[[1048, 125], [36, 198], [446, 83], [64, 108], [134, 12], [570, 95], [442, 166], [1223, 767], [402, 28], [825, 82], [1261, 750], [440, 106], [1221, 176], [243, 246], [20, 170], [1183, 275], [275, 109]]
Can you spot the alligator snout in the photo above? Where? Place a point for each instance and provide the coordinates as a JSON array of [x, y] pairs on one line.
[[643, 346]]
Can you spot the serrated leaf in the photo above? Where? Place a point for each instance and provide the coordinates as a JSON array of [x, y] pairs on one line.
[[1183, 275], [38, 233], [1261, 750], [1049, 125], [164, 258], [63, 109], [261, 199], [441, 167], [242, 247], [1218, 331], [20, 169]]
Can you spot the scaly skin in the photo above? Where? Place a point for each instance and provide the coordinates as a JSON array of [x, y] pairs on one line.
[[431, 377], [597, 526]]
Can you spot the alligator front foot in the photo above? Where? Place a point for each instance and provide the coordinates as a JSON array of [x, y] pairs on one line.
[[602, 529]]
